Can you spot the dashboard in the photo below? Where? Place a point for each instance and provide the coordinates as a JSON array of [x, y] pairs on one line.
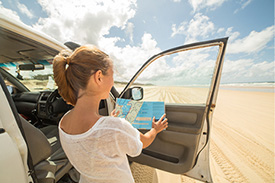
[[34, 106], [47, 107]]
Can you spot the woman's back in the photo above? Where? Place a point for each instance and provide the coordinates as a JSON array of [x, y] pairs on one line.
[[99, 154]]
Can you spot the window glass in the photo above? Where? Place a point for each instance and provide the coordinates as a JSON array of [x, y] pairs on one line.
[[36, 80], [183, 77]]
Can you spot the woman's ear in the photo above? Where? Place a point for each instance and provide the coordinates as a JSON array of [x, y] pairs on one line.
[[98, 77]]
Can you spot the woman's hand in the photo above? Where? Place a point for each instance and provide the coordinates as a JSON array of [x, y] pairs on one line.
[[157, 127], [114, 113], [161, 124]]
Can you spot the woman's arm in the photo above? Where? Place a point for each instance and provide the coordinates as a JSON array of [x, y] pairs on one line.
[[157, 127]]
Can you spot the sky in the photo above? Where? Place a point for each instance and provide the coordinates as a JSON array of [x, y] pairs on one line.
[[132, 31]]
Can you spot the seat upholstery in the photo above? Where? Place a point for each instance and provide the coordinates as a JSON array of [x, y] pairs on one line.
[[40, 148], [49, 159], [51, 132]]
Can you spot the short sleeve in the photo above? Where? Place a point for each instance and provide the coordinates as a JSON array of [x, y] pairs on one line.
[[128, 139]]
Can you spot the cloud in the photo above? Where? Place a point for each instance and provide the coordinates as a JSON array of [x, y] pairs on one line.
[[252, 43], [246, 70], [177, 1], [233, 35], [9, 13], [127, 60], [88, 22], [130, 30], [23, 9], [244, 3], [220, 30], [84, 21], [210, 4], [194, 66], [199, 26], [181, 29], [185, 68]]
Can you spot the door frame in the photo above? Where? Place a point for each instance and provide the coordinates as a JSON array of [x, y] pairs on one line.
[[201, 168]]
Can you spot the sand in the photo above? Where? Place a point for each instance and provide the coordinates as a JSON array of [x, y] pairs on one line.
[[242, 142], [242, 139]]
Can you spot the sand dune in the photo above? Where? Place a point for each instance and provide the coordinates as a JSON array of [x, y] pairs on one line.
[[242, 139]]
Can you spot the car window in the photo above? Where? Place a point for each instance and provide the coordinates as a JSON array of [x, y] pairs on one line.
[[36, 80], [183, 77], [9, 85]]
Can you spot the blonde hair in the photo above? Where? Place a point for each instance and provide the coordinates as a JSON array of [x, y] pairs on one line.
[[72, 71]]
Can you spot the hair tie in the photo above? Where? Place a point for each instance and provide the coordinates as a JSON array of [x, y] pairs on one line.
[[67, 60]]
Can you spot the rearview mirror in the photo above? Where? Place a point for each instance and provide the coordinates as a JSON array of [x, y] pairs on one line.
[[31, 67], [135, 93]]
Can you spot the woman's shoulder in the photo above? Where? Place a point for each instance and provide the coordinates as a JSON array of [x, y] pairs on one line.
[[115, 122], [105, 124], [110, 120]]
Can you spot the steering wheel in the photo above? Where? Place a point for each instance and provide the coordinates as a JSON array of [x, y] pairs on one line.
[[49, 103], [56, 105]]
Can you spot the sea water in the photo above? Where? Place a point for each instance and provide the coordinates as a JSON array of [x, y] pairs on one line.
[[250, 86]]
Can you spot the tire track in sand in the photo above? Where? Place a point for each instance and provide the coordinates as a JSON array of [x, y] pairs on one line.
[[250, 151], [231, 172]]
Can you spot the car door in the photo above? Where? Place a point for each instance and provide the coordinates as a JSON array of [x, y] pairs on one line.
[[187, 79]]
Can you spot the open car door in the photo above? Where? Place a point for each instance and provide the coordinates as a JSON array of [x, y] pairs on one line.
[[187, 79]]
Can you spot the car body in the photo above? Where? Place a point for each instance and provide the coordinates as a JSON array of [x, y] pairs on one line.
[[183, 148]]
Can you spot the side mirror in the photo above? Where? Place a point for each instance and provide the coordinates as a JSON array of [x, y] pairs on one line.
[[135, 93]]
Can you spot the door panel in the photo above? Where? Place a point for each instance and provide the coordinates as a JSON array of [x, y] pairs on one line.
[[174, 149], [187, 79], [185, 119]]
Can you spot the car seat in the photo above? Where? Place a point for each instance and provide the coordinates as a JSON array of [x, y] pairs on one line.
[[49, 160]]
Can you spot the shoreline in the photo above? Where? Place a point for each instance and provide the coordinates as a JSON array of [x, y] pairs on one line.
[[267, 89]]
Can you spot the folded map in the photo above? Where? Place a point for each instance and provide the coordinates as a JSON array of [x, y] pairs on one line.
[[139, 113]]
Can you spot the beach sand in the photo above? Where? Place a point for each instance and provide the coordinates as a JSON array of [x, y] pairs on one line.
[[242, 140]]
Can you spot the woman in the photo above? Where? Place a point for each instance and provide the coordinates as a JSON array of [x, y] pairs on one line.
[[96, 145]]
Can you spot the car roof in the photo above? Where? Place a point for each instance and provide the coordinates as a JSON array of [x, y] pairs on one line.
[[21, 42]]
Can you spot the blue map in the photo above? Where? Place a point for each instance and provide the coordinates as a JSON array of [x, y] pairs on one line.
[[139, 113]]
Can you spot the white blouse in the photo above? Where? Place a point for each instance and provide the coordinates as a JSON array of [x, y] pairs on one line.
[[99, 154]]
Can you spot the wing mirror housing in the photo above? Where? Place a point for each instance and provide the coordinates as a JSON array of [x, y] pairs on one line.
[[134, 93]]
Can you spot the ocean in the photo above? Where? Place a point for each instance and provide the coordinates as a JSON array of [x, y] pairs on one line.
[[250, 86]]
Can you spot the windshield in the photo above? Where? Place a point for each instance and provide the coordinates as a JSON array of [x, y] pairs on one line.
[[36, 80]]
